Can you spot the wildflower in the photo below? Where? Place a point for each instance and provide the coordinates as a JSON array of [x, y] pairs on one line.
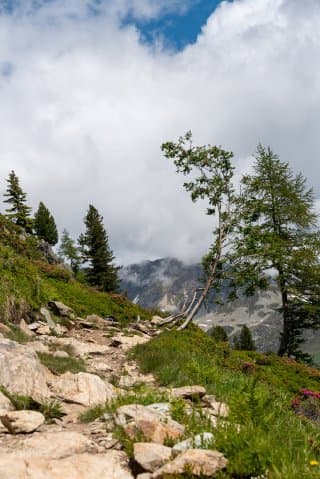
[[314, 463]]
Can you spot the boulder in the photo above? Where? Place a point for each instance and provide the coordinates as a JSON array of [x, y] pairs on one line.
[[83, 388], [189, 392], [4, 329], [5, 403], [128, 342], [22, 421], [111, 465], [60, 354], [151, 456], [21, 371], [45, 313], [61, 309], [24, 328], [198, 442], [199, 462], [155, 427], [54, 445]]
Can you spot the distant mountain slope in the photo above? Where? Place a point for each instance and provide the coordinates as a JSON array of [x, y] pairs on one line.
[[165, 283]]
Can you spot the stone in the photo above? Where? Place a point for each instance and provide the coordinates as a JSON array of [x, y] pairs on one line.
[[151, 456], [22, 421], [198, 442], [219, 409], [5, 403], [44, 330], [55, 445], [35, 325], [38, 347], [80, 348], [60, 354], [45, 313], [200, 462], [111, 465], [21, 371], [162, 408], [127, 381], [61, 309], [24, 328], [4, 329], [155, 426], [189, 392], [145, 475], [128, 342], [83, 388]]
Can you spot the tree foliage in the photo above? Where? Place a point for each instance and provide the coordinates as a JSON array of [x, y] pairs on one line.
[[210, 174], [218, 333], [277, 238], [68, 251], [96, 252], [244, 341], [19, 212], [45, 226]]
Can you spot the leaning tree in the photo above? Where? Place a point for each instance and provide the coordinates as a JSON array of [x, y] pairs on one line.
[[210, 174]]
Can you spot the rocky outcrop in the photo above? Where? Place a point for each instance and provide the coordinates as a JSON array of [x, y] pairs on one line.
[[111, 465], [83, 388], [198, 461], [21, 371]]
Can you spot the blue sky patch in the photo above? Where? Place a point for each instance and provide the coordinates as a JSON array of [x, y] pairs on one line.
[[176, 30]]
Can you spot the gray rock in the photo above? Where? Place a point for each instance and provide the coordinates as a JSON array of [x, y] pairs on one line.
[[21, 371], [151, 456], [198, 442]]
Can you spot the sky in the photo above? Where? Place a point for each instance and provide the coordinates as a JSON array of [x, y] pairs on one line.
[[89, 89]]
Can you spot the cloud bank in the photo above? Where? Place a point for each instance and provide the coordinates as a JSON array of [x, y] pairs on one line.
[[85, 105]]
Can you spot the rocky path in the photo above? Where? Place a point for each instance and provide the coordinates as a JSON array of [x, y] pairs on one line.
[[66, 447]]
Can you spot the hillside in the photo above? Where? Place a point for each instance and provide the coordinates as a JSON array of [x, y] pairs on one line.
[[91, 386]]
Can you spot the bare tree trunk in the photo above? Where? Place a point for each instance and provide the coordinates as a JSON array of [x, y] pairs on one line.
[[193, 311]]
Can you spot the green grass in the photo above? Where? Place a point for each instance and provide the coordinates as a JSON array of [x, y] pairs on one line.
[[16, 334], [51, 409], [62, 365], [262, 435], [142, 394], [28, 282]]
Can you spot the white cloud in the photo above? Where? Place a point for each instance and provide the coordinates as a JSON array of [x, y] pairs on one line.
[[85, 107]]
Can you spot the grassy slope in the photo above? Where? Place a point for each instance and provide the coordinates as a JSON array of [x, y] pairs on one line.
[[258, 389], [28, 282]]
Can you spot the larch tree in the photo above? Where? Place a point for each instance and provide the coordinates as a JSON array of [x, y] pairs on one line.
[[45, 226], [19, 211], [69, 252], [96, 253], [278, 240]]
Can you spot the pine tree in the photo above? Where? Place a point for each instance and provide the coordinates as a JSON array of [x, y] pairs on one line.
[[19, 212], [277, 235], [69, 251], [95, 250], [218, 333], [244, 341], [45, 226]]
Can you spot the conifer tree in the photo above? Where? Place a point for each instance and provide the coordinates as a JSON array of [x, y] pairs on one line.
[[69, 251], [245, 341], [277, 238], [45, 226], [95, 250], [218, 333], [19, 212]]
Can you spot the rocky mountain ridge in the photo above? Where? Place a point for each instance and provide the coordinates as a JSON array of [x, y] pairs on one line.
[[165, 284]]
